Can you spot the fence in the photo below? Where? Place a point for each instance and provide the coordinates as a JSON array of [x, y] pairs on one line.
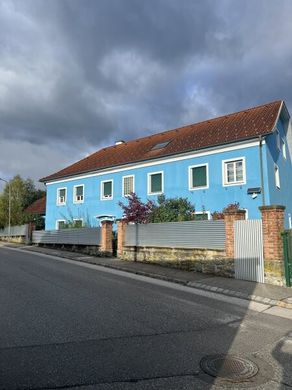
[[188, 234], [83, 236], [20, 230]]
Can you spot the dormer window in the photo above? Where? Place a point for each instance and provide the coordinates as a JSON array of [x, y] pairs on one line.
[[160, 145]]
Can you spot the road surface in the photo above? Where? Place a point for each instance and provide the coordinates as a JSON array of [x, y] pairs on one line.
[[70, 325]]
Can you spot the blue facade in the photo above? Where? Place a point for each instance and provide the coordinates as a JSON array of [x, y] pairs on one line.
[[176, 182]]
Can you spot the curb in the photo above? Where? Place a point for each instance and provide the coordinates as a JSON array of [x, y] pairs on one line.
[[198, 285]]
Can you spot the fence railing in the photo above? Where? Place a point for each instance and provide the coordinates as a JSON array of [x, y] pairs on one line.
[[15, 231], [188, 234], [82, 236]]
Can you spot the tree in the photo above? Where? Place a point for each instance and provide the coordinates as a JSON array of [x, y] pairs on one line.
[[220, 214], [136, 211], [23, 193], [172, 210]]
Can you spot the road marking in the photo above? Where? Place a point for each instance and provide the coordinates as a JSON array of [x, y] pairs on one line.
[[250, 305]]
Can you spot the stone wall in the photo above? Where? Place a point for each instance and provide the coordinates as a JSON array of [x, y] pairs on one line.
[[15, 239], [200, 260], [92, 250]]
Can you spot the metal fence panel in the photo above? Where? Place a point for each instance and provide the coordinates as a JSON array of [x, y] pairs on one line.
[[20, 230], [248, 247], [83, 236], [188, 234]]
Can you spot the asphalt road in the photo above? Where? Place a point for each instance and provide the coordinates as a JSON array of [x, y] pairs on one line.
[[65, 325]]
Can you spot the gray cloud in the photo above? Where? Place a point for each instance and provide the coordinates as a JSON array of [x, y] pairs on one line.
[[76, 75]]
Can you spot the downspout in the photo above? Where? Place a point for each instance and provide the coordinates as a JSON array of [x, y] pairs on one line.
[[262, 170]]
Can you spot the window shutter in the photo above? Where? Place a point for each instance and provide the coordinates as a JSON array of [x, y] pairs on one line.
[[156, 182], [107, 189], [199, 176]]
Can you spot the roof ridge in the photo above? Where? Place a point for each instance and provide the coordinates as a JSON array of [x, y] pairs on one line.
[[191, 124], [261, 120]]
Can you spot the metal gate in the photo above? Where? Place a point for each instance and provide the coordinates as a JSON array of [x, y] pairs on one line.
[[248, 247], [287, 245]]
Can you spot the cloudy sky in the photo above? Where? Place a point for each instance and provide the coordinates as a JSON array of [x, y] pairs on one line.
[[76, 75]]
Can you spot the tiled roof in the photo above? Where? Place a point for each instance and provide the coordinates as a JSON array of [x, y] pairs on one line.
[[226, 129], [37, 207]]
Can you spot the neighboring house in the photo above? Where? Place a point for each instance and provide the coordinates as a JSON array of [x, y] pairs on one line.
[[38, 207], [242, 157], [37, 211]]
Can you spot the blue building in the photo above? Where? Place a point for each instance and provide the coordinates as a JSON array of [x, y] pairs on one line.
[[242, 157]]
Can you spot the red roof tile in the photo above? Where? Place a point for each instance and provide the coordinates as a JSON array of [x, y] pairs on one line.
[[226, 129], [37, 207]]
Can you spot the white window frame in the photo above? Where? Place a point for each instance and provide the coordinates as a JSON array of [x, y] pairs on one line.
[[191, 177], [204, 212], [58, 197], [75, 200], [149, 183], [101, 190], [277, 176], [283, 147], [123, 185], [57, 223], [224, 172], [278, 140], [79, 219]]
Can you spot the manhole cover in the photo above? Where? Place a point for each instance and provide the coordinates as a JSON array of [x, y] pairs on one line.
[[229, 367]]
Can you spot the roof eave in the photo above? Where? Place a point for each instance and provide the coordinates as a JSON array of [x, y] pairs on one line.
[[45, 180]]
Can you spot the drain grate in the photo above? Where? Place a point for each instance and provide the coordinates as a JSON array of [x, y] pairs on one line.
[[229, 367]]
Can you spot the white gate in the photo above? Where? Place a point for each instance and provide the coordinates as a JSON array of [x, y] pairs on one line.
[[248, 248]]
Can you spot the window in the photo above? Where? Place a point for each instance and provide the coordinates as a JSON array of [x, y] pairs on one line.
[[284, 149], [277, 176], [61, 196], [161, 145], [78, 223], [106, 190], [202, 215], [60, 224], [128, 185], [278, 139], [198, 177], [155, 183], [78, 192], [234, 172]]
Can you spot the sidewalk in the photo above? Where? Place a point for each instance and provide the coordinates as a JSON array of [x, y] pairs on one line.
[[258, 292]]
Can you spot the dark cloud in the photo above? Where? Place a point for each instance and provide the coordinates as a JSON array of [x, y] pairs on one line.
[[76, 75]]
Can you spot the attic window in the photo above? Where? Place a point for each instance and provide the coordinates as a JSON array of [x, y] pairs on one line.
[[161, 145]]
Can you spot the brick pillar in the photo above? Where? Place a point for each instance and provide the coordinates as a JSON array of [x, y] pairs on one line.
[[273, 226], [121, 236], [106, 238], [229, 218]]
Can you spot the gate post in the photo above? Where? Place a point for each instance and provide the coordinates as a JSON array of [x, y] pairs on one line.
[[122, 224], [106, 237], [273, 226], [229, 218]]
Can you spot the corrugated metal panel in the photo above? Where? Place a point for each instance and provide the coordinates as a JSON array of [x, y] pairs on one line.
[[84, 236], [20, 230], [189, 234], [248, 246]]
